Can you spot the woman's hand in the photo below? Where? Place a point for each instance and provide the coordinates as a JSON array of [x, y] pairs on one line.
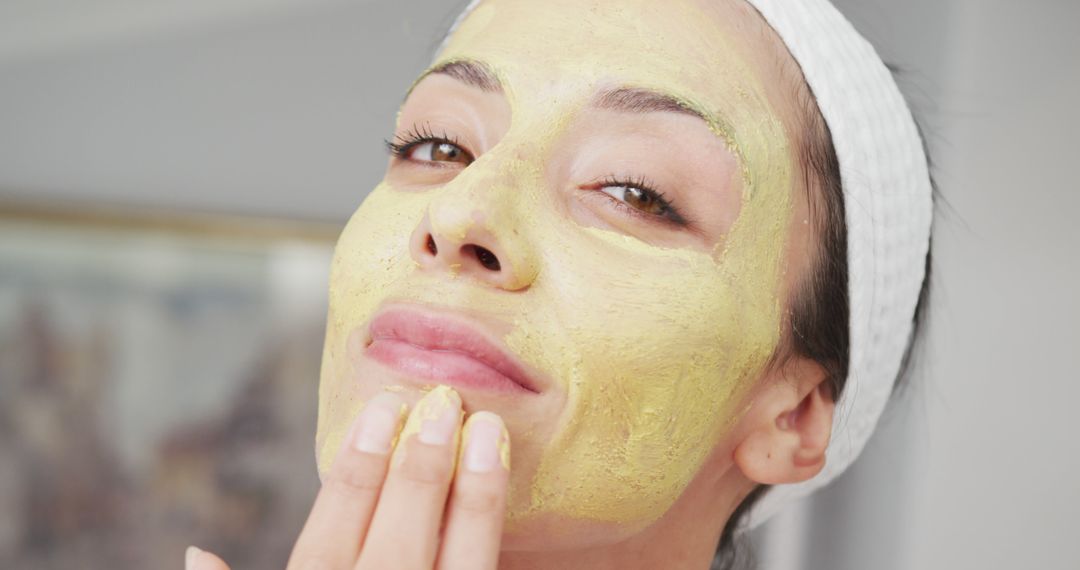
[[385, 506]]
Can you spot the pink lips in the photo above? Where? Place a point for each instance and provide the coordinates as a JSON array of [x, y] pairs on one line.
[[444, 351]]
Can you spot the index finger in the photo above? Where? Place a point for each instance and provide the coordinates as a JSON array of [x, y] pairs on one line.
[[342, 512]]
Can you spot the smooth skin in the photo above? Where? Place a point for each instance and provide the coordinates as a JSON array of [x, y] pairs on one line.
[[406, 506], [785, 422]]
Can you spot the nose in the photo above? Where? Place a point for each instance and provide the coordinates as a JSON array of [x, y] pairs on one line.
[[460, 242]]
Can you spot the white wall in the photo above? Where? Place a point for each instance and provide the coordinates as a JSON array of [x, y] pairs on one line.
[[271, 107], [999, 485], [281, 110]]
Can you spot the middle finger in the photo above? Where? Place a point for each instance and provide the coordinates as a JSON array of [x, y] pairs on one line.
[[404, 532]]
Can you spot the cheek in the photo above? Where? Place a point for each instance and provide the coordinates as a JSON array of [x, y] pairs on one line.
[[371, 259], [656, 350]]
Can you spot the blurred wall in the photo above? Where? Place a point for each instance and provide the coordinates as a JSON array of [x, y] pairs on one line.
[[997, 485], [280, 108], [974, 467], [275, 107]]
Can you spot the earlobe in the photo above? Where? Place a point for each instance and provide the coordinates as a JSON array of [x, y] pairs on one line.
[[789, 427]]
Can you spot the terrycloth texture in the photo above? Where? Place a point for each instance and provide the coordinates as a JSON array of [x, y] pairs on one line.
[[888, 201]]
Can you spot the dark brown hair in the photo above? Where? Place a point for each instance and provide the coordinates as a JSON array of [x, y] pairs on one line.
[[819, 309]]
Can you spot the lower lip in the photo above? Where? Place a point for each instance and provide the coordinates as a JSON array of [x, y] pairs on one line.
[[441, 366]]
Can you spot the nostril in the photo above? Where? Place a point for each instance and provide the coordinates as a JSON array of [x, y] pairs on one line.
[[486, 258], [431, 247]]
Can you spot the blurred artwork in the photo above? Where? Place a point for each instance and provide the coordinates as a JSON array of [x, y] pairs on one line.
[[157, 389]]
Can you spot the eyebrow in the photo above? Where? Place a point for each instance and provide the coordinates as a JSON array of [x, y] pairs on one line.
[[622, 99], [642, 100], [637, 100], [469, 72], [627, 99]]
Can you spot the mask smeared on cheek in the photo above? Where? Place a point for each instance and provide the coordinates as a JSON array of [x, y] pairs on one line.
[[657, 349], [654, 348]]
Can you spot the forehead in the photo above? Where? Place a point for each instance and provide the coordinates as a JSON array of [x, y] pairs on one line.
[[719, 56], [697, 51]]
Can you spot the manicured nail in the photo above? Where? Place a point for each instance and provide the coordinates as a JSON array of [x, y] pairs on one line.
[[377, 424], [189, 557], [486, 443], [437, 416]]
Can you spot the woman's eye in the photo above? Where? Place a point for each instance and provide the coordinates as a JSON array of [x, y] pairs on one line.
[[438, 151], [638, 198]]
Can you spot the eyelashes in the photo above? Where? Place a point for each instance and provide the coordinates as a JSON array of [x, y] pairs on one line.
[[633, 196], [402, 143], [636, 196], [444, 148]]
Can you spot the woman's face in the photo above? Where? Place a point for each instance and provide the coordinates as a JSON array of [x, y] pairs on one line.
[[626, 166]]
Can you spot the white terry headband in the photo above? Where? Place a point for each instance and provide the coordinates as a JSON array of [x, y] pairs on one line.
[[888, 204]]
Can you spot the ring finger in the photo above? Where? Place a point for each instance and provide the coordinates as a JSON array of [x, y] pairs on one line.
[[478, 499]]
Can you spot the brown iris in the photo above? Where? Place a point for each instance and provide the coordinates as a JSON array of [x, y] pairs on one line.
[[448, 152], [644, 201]]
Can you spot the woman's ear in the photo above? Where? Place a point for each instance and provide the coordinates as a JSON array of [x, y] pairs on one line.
[[788, 426]]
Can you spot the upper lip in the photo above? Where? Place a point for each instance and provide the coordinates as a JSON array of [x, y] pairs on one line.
[[450, 334]]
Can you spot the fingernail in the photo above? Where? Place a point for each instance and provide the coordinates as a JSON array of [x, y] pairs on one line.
[[377, 424], [436, 417], [189, 557], [486, 443]]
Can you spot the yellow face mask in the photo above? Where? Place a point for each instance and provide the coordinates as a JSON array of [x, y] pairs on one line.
[[651, 335]]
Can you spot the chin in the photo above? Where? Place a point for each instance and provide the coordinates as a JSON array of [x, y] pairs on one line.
[[554, 532]]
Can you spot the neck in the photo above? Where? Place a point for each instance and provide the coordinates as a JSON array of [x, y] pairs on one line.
[[684, 538]]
